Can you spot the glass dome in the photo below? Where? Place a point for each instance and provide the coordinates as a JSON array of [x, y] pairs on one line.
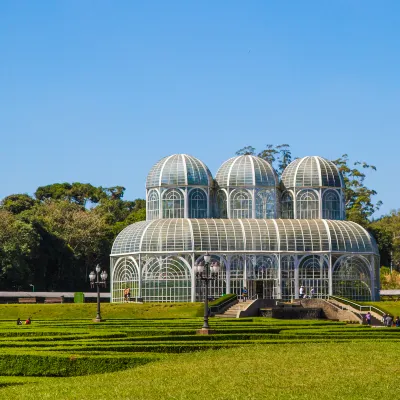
[[312, 171], [248, 171], [179, 170]]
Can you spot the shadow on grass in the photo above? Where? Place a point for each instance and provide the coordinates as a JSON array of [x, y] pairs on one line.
[[5, 384]]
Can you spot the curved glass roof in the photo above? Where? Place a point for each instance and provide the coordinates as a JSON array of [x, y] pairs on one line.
[[246, 170], [243, 235], [179, 170], [312, 171]]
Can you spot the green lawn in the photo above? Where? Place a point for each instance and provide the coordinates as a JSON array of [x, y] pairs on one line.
[[108, 310], [291, 371]]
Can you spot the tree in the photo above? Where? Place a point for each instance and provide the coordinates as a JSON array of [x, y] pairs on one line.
[[387, 233], [279, 156], [17, 203], [358, 197], [18, 247]]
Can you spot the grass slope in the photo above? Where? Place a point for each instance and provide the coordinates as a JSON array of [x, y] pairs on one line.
[[292, 371], [108, 310]]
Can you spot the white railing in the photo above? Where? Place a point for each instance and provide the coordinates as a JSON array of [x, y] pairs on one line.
[[357, 306]]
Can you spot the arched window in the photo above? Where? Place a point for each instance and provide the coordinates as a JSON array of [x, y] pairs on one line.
[[313, 274], [173, 204], [241, 204], [166, 279], [307, 204], [331, 205], [197, 204], [265, 204], [352, 278], [222, 211], [287, 206], [153, 205], [125, 275]]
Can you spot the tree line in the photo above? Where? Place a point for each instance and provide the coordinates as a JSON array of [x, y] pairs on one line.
[[53, 239]]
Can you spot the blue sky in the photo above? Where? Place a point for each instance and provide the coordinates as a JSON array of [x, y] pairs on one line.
[[98, 91]]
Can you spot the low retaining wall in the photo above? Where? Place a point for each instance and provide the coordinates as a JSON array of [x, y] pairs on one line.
[[292, 313]]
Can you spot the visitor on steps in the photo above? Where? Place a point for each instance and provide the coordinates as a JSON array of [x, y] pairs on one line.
[[301, 292], [389, 321], [312, 293], [244, 293], [368, 318], [384, 319]]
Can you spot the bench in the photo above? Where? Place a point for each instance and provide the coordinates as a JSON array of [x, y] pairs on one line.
[[27, 300], [54, 300]]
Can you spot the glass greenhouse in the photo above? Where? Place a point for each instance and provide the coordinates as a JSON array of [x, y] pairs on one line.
[[269, 236]]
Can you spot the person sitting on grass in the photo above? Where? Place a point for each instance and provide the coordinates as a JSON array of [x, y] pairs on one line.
[[19, 322], [28, 321]]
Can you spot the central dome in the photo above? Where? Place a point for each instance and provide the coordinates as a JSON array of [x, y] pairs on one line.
[[179, 170], [247, 171]]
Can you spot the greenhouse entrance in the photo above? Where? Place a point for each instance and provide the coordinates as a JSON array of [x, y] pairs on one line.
[[262, 289]]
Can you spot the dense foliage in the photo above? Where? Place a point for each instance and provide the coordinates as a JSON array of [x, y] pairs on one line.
[[54, 239]]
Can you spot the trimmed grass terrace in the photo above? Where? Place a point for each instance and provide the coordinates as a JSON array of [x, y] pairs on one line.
[[144, 358]]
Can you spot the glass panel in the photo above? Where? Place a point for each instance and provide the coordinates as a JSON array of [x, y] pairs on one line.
[[197, 204], [265, 204], [331, 205], [125, 276], [153, 205], [241, 204], [173, 204], [307, 205], [287, 206]]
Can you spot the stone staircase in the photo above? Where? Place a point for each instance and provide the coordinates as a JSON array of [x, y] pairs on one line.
[[234, 310]]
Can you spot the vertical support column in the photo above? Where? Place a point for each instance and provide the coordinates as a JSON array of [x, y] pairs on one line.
[[253, 208], [279, 288], [330, 275], [320, 203], [245, 273], [295, 216], [193, 278], [111, 280], [140, 296], [373, 289], [296, 277], [186, 203], [228, 274]]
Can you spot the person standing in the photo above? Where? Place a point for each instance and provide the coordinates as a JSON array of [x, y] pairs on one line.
[[301, 292], [368, 318], [312, 293], [244, 293]]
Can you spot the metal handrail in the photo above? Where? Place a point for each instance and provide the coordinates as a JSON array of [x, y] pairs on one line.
[[358, 306]]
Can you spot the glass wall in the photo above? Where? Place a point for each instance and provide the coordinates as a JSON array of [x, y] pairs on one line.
[[331, 205], [153, 205], [287, 206], [173, 204], [197, 203], [125, 275], [166, 279], [265, 204], [241, 204], [307, 204]]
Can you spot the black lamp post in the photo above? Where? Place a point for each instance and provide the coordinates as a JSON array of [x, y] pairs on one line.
[[95, 280], [202, 270]]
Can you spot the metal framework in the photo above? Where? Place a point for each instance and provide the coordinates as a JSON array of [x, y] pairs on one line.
[[270, 257]]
